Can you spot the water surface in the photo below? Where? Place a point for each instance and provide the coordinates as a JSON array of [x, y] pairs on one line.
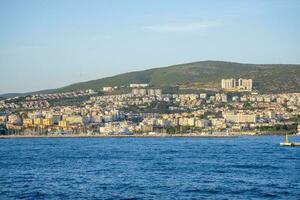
[[149, 168]]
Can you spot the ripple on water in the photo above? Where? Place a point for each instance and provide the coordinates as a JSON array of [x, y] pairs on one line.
[[148, 168]]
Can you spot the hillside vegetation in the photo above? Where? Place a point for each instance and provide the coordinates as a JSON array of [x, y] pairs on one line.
[[267, 78]]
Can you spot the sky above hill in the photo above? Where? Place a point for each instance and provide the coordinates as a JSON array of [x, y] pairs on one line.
[[52, 43]]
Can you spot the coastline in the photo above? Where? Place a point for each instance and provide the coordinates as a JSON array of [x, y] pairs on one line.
[[141, 135], [112, 136]]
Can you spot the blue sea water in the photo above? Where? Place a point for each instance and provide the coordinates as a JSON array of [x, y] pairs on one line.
[[149, 168]]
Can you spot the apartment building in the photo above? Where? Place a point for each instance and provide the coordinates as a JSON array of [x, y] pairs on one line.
[[236, 85]]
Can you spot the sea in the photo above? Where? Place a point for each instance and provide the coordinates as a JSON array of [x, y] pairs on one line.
[[253, 167]]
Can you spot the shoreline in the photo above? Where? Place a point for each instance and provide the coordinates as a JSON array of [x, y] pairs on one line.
[[140, 136]]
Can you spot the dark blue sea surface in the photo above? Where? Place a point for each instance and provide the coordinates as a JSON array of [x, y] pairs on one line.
[[149, 168]]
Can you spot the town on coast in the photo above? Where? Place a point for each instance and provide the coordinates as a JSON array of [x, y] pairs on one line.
[[143, 110]]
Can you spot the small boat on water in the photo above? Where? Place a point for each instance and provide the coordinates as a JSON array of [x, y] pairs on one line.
[[289, 144]]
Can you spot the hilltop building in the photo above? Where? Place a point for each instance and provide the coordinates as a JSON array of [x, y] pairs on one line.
[[236, 85], [135, 85], [228, 84]]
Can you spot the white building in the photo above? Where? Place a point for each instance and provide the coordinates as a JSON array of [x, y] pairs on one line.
[[139, 92], [154, 92], [236, 85], [239, 117], [144, 92], [142, 85], [203, 96], [202, 123], [245, 84], [108, 89], [14, 119], [228, 84]]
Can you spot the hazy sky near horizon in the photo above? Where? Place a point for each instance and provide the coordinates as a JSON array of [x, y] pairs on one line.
[[53, 43]]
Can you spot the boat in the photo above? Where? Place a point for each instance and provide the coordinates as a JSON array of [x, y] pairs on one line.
[[289, 144]]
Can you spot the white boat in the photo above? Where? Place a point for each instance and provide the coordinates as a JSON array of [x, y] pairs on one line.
[[289, 144]]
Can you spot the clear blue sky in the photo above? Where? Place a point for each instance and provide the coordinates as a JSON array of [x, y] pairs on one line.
[[51, 43]]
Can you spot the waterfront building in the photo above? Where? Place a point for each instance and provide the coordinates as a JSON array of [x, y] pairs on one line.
[[218, 123], [63, 123], [55, 118], [38, 121], [239, 117], [74, 119], [202, 123], [47, 122], [14, 119], [186, 121], [27, 122]]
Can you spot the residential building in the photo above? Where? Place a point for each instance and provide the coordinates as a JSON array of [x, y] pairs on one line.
[[239, 117], [236, 85], [63, 123]]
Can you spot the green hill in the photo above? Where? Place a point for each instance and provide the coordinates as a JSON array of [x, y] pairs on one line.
[[266, 77]]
